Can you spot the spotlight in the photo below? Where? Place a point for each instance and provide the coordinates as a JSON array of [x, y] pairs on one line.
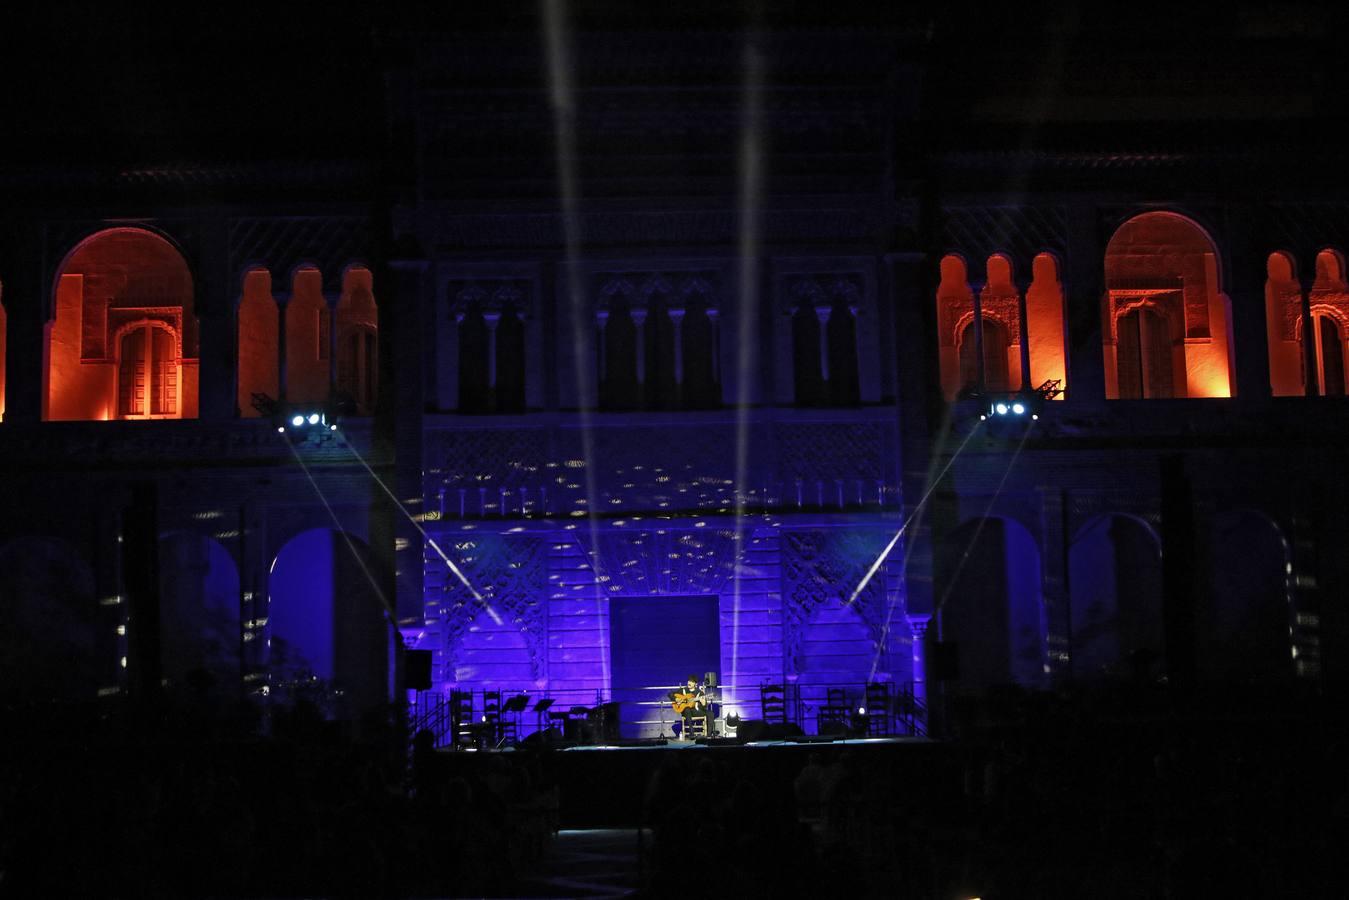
[[1034, 417], [332, 427], [982, 417], [1001, 409], [1018, 408], [297, 421], [281, 429], [313, 418], [861, 710]]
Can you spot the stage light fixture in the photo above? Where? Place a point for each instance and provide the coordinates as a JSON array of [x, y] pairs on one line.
[[1018, 408], [1001, 409], [297, 421], [313, 418], [281, 429]]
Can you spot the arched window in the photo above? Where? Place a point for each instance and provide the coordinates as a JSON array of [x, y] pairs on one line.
[[1329, 355], [996, 342], [1003, 301], [824, 340], [1167, 319], [308, 339], [258, 342], [809, 361], [1045, 325], [491, 348], [123, 342], [656, 342], [357, 338], [621, 364]]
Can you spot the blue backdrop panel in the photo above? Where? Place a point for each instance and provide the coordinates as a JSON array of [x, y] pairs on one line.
[[658, 641]]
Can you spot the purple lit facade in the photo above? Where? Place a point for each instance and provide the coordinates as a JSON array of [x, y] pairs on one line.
[[688, 385]]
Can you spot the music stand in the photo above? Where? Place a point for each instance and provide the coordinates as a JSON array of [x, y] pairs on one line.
[[510, 712], [539, 709]]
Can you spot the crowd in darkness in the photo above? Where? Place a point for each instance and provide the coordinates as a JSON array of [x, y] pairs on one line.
[[1062, 795], [180, 801]]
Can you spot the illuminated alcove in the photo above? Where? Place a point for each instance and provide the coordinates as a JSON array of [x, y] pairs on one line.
[[258, 342], [1245, 620], [1284, 320], [198, 611], [1000, 309], [326, 629], [988, 585], [1115, 580], [1166, 330], [122, 343], [357, 342]]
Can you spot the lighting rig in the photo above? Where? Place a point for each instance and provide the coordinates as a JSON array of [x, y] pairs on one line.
[[313, 423], [1021, 406]]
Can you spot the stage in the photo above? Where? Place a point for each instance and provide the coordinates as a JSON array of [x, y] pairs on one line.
[[616, 784]]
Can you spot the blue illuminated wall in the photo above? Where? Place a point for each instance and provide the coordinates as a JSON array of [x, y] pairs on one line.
[[546, 573]]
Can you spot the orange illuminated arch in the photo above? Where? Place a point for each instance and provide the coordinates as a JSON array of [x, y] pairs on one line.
[[308, 340], [1330, 321], [258, 342], [357, 341], [1166, 329], [1045, 324], [122, 342], [1328, 302], [955, 308]]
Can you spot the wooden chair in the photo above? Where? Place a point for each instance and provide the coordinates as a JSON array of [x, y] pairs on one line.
[[773, 703]]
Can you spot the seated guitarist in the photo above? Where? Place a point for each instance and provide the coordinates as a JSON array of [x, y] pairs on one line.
[[690, 702]]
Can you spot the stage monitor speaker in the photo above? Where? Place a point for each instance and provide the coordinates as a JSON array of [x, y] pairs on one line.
[[943, 661], [419, 670]]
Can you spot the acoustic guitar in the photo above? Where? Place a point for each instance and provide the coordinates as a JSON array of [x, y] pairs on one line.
[[685, 700]]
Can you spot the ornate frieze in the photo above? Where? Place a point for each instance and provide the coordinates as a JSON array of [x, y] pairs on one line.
[[825, 566], [509, 573]]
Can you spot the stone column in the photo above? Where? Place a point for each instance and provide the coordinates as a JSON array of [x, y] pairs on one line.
[[1023, 334], [216, 310], [918, 628], [714, 316], [27, 312], [1056, 621], [1311, 376], [639, 320], [1247, 272], [822, 314], [857, 348], [282, 300], [405, 295], [452, 362], [492, 319], [601, 325], [330, 301], [980, 377], [677, 317], [1083, 285]]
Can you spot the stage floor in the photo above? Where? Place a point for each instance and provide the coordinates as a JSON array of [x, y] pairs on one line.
[[609, 785], [724, 743]]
